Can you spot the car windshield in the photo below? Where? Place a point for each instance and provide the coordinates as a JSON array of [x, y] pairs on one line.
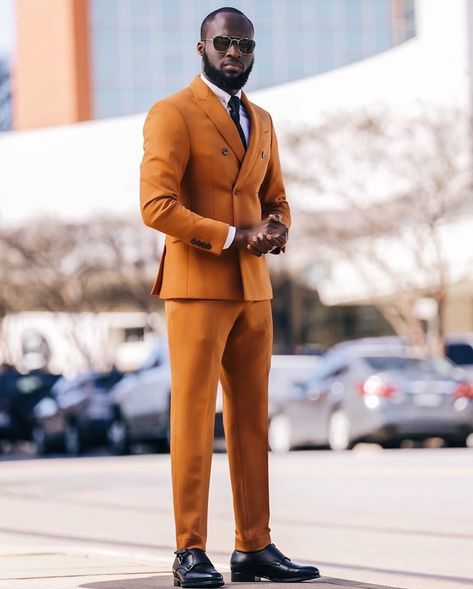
[[105, 381], [421, 366], [461, 354]]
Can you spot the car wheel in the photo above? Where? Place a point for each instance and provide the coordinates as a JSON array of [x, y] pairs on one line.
[[390, 444], [118, 439], [40, 440], [460, 441], [339, 431], [73, 443], [163, 445], [280, 434]]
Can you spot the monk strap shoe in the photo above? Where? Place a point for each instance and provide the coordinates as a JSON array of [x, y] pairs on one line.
[[192, 568], [269, 563]]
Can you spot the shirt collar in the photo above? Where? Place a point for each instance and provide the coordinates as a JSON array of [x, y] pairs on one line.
[[223, 96]]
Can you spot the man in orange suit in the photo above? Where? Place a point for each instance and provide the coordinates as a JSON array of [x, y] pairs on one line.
[[211, 181]]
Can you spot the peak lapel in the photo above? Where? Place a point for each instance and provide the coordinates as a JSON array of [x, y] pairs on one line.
[[213, 108], [255, 139]]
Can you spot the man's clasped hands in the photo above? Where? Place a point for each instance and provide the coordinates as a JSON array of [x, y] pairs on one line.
[[268, 234]]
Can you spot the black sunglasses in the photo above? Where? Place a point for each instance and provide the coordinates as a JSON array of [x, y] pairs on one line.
[[222, 44]]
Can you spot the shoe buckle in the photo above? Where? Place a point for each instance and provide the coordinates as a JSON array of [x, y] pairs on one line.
[[181, 553]]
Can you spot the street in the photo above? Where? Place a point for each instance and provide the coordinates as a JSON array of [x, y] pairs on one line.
[[367, 518]]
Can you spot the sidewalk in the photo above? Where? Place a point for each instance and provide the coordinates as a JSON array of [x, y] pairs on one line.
[[50, 567]]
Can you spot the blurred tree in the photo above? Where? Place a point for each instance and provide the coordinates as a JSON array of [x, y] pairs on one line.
[[103, 264], [377, 191]]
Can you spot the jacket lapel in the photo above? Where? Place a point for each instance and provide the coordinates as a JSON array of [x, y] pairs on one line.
[[212, 107], [255, 139]]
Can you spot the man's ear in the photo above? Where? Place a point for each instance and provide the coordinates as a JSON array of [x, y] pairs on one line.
[[200, 48]]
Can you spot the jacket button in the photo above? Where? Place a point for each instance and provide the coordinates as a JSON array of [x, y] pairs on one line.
[[225, 151]]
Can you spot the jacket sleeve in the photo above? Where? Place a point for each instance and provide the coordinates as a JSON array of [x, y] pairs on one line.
[[166, 152], [272, 191]]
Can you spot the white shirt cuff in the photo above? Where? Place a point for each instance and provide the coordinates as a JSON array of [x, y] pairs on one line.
[[230, 237]]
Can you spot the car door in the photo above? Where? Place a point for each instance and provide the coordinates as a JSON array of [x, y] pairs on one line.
[[311, 402], [153, 389], [144, 396]]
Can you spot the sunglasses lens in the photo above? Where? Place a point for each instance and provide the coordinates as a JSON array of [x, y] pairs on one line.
[[222, 43], [247, 46]]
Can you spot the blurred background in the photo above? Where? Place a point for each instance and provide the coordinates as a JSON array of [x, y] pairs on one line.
[[373, 301]]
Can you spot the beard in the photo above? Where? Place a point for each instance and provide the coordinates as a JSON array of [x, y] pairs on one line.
[[229, 84]]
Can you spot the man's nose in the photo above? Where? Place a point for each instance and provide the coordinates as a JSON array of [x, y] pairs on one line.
[[233, 49]]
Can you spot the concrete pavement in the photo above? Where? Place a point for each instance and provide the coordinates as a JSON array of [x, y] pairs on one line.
[[367, 519], [70, 567]]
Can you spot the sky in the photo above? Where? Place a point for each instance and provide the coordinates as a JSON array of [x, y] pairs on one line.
[[6, 27]]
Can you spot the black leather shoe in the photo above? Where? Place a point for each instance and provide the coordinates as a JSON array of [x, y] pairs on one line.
[[192, 568], [269, 563]]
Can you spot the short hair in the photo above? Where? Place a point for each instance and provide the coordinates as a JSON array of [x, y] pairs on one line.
[[210, 17]]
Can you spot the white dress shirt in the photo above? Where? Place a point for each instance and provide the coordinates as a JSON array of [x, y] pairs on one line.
[[224, 97]]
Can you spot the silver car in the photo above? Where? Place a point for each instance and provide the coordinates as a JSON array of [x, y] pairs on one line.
[[141, 406], [376, 394]]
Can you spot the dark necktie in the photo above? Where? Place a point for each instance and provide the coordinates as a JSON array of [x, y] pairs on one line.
[[234, 105]]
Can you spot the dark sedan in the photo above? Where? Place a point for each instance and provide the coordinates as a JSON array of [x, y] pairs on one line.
[[19, 394], [77, 414]]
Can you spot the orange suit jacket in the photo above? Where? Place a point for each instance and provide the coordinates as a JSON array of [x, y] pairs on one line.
[[196, 179]]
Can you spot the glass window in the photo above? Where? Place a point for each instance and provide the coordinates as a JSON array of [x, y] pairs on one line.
[[142, 64], [327, 366], [383, 39], [173, 62], [106, 381], [140, 8], [353, 11], [172, 10], [294, 39], [104, 10], [105, 37], [141, 37], [323, 9], [419, 366], [172, 38], [143, 98], [381, 10], [353, 37], [152, 42], [263, 10], [106, 65], [324, 40], [107, 103], [461, 354]]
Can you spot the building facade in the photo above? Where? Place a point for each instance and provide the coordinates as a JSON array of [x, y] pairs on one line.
[[116, 57], [5, 95]]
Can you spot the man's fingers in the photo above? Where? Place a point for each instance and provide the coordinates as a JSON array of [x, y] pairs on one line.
[[278, 239], [254, 251], [263, 243]]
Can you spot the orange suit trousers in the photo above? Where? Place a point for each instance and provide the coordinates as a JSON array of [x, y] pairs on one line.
[[230, 340]]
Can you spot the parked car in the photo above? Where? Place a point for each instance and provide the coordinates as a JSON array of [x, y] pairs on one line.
[[459, 349], [285, 371], [77, 414], [376, 394], [19, 394], [141, 406]]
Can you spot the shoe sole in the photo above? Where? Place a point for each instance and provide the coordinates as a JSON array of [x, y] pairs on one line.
[[178, 583], [249, 578]]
